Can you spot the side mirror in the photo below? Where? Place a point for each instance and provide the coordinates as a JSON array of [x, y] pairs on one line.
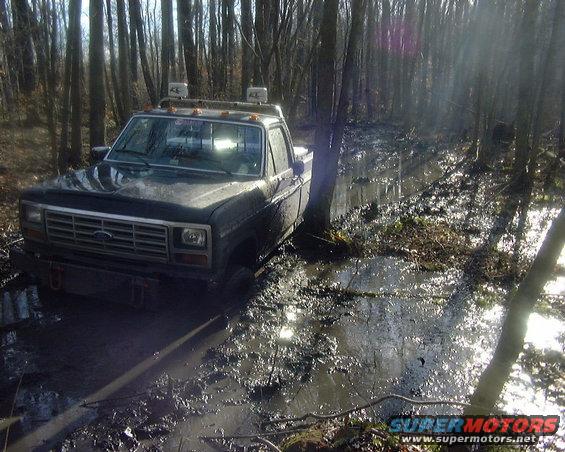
[[98, 153], [298, 167]]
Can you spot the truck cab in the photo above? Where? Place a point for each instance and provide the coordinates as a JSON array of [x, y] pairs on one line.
[[193, 189]]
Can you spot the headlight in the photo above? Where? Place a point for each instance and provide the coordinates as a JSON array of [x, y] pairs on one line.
[[32, 214], [193, 237]]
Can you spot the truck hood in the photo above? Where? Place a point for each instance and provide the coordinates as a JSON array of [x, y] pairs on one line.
[[175, 195]]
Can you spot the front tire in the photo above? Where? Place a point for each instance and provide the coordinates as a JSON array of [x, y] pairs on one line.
[[238, 281]]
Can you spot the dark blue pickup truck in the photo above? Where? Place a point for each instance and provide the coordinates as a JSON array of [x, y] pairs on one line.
[[194, 189]]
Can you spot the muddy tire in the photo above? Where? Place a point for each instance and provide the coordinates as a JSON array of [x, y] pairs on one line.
[[48, 296], [238, 281]]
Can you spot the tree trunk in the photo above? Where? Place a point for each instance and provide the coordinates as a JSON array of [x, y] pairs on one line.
[[247, 42], [214, 79], [384, 58], [370, 56], [76, 101], [317, 214], [547, 74], [185, 11], [135, 15], [96, 89], [9, 80], [23, 46], [133, 47], [526, 78], [123, 61], [514, 329], [166, 44], [113, 72]]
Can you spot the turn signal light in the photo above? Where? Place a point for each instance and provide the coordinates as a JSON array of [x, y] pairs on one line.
[[192, 259], [33, 234]]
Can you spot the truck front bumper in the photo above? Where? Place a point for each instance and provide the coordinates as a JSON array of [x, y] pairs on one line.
[[115, 281]]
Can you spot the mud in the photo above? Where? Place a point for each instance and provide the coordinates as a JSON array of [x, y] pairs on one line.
[[312, 334]]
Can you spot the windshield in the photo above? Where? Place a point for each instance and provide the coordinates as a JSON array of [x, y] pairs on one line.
[[191, 143]]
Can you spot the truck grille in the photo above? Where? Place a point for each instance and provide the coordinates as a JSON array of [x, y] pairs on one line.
[[107, 235]]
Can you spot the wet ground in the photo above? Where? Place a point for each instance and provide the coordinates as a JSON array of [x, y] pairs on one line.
[[313, 336]]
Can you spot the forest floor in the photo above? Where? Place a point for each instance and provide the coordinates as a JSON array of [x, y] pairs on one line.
[[404, 296]]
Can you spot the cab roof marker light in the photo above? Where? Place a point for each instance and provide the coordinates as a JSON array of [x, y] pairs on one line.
[[196, 112], [254, 117], [147, 107], [225, 113], [172, 109]]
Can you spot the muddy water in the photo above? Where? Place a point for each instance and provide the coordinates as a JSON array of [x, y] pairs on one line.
[[380, 167], [297, 345]]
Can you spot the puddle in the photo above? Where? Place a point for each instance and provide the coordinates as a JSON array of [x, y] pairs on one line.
[[375, 168]]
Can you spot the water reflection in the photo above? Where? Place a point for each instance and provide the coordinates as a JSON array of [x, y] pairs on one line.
[[19, 305], [522, 326], [376, 172]]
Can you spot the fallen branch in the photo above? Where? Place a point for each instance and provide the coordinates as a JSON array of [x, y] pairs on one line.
[[372, 403], [268, 443], [253, 436]]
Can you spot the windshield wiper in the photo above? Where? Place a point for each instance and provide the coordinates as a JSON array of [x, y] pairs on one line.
[[135, 154], [198, 156]]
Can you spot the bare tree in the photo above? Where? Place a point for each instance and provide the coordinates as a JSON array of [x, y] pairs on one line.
[[317, 215], [71, 99], [185, 12], [167, 44], [247, 43], [526, 78], [23, 45], [123, 62], [96, 88], [135, 14]]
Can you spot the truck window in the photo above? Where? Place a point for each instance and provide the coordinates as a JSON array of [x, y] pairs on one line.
[[279, 149]]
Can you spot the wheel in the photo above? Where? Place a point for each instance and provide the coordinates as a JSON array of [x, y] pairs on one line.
[[238, 281], [48, 296]]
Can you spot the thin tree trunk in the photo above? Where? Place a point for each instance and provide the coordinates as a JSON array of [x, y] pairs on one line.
[[96, 88], [526, 78], [247, 41], [547, 73], [166, 44], [24, 46], [185, 12], [135, 15], [113, 71], [123, 61], [76, 100]]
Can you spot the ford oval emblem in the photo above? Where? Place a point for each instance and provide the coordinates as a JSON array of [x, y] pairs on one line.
[[102, 236]]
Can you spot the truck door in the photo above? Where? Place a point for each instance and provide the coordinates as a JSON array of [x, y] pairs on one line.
[[284, 187]]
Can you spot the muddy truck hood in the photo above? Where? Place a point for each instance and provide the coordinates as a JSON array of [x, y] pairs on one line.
[[171, 195]]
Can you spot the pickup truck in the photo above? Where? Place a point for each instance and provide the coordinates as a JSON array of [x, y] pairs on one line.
[[192, 190]]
